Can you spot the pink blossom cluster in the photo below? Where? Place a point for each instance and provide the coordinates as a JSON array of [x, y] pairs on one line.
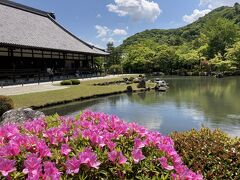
[[95, 141]]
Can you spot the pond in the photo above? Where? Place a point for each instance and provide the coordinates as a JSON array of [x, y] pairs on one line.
[[190, 102]]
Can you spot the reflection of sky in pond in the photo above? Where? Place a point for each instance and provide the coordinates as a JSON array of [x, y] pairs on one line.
[[189, 103]]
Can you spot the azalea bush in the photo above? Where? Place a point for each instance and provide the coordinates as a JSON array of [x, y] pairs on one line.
[[213, 153], [91, 146]]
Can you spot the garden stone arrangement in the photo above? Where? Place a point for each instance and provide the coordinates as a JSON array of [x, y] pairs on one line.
[[90, 146], [20, 115]]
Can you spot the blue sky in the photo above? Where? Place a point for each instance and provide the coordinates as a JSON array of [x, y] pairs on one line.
[[100, 21]]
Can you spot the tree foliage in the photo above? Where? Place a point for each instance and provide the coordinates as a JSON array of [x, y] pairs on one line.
[[220, 34]]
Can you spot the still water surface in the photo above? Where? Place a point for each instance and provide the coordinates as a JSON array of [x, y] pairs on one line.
[[190, 102]]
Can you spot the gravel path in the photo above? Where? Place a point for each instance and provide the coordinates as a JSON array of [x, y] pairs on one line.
[[47, 86], [31, 88]]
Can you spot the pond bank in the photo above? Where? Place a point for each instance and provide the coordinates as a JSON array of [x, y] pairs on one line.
[[86, 90], [87, 98]]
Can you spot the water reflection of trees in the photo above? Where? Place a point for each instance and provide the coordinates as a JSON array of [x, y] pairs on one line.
[[76, 107], [216, 98]]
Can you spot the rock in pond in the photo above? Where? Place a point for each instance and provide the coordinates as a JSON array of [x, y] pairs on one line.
[[20, 115]]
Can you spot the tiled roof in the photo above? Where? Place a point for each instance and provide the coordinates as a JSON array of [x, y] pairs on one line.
[[25, 26]]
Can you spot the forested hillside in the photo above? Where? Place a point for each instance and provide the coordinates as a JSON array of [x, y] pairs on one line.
[[175, 37], [209, 44]]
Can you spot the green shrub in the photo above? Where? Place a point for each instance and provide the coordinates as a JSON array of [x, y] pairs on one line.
[[6, 104], [75, 81], [66, 82], [129, 89], [115, 69], [195, 73], [131, 78], [141, 84], [212, 153]]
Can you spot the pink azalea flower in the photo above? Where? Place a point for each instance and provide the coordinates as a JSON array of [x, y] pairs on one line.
[[50, 171], [113, 155], [65, 150], [35, 126], [43, 149], [122, 158], [9, 150], [193, 176], [111, 145], [137, 155], [13, 149], [96, 139], [89, 158], [76, 133], [164, 164], [138, 144], [6, 166], [9, 130], [72, 166], [30, 143], [55, 135], [33, 167]]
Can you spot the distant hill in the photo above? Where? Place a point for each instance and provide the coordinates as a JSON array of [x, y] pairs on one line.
[[176, 37]]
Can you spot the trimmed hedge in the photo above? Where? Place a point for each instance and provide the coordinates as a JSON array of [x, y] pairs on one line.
[[75, 81], [6, 104], [129, 89], [66, 82], [212, 153], [70, 82]]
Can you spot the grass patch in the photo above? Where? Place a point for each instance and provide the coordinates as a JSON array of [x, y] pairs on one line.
[[72, 92]]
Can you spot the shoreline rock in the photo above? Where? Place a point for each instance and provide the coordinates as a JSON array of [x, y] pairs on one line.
[[20, 115]]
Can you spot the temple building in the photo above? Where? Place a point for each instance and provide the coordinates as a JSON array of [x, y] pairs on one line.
[[33, 45]]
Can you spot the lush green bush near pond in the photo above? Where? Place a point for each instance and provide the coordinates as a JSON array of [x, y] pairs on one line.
[[6, 103], [213, 153], [70, 82], [75, 81], [66, 83]]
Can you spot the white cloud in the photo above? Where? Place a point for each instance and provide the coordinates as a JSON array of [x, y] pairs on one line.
[[195, 15], [136, 9], [120, 32], [102, 31], [99, 16], [212, 4], [106, 34]]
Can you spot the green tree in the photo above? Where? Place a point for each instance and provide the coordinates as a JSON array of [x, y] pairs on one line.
[[137, 58], [233, 54], [115, 55], [190, 59], [219, 64], [237, 7], [220, 34], [166, 59]]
